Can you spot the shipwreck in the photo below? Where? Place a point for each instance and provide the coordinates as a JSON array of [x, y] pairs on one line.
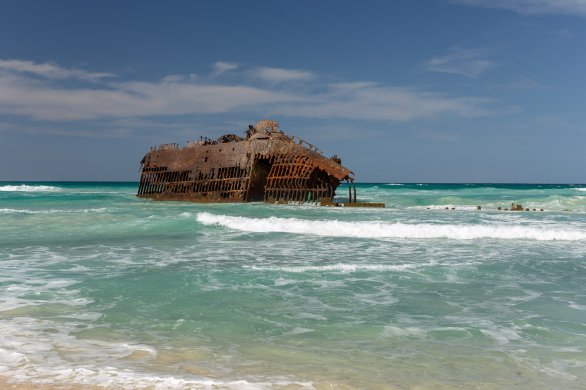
[[266, 165]]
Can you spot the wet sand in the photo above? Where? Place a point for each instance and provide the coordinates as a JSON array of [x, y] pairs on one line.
[[5, 383]]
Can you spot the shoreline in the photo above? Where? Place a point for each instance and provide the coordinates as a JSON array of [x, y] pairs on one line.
[[7, 383]]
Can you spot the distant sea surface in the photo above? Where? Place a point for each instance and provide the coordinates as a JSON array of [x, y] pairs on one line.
[[100, 287]]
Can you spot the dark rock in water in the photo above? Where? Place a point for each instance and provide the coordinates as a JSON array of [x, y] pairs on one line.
[[517, 207]]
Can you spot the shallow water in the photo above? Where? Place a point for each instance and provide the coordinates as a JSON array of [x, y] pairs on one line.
[[100, 287]]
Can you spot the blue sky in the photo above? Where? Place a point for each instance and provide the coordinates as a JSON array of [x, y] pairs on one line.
[[403, 91]]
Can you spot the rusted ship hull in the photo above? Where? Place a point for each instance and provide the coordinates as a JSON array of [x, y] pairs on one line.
[[267, 165]]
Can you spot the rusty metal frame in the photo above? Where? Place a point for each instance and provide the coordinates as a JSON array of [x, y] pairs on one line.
[[267, 165]]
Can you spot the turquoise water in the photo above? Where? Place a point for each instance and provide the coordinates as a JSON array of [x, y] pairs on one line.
[[100, 287]]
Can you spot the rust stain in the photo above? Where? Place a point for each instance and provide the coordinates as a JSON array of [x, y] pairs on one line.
[[266, 165]]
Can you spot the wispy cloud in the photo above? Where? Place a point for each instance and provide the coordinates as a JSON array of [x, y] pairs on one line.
[[27, 96], [222, 67], [465, 62], [170, 96], [49, 71], [528, 7], [278, 75], [113, 132], [525, 83], [366, 100], [178, 78]]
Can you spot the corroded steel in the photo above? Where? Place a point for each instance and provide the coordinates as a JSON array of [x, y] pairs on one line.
[[267, 165]]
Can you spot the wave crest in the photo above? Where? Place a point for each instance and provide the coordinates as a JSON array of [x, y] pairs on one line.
[[29, 188], [26, 211], [382, 230]]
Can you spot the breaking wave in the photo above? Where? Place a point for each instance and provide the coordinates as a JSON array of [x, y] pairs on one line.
[[29, 188], [26, 211], [382, 230], [346, 268]]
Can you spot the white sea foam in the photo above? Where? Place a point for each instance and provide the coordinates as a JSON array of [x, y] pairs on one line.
[[29, 188], [52, 211], [298, 330], [444, 206], [382, 230], [311, 316], [395, 331], [501, 335], [345, 268], [27, 354], [17, 211]]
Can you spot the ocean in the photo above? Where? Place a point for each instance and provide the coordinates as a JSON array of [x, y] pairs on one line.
[[100, 287]]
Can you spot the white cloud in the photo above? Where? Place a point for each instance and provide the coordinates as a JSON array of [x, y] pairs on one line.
[[178, 78], [525, 83], [278, 75], [221, 67], [23, 95], [465, 62], [111, 132], [49, 71], [527, 7], [170, 96], [371, 101]]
